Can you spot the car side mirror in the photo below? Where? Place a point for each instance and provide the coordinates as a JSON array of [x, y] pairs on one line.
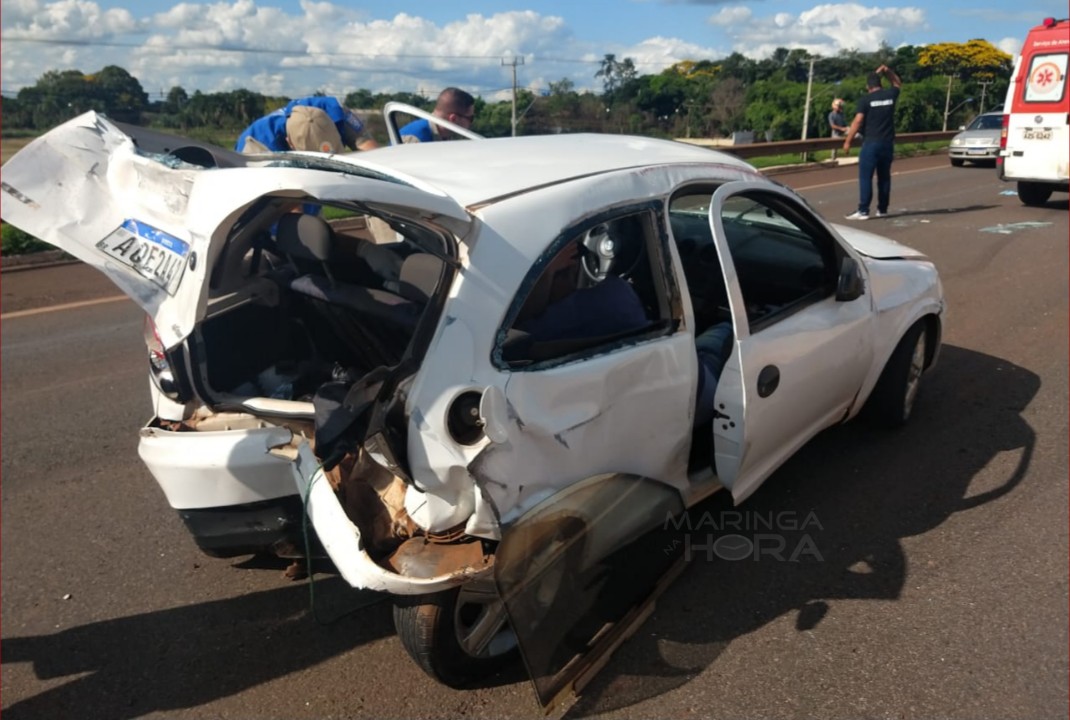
[[849, 285]]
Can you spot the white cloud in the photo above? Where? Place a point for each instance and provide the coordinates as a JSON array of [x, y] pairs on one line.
[[654, 54], [730, 16], [256, 44], [830, 28], [1010, 45], [65, 19]]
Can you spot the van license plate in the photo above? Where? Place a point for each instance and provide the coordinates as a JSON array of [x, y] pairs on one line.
[[158, 256], [1037, 134]]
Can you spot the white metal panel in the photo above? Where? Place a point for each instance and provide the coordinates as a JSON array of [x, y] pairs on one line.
[[217, 469], [875, 246], [478, 171], [627, 411]]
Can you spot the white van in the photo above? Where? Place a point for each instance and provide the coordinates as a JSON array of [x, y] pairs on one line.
[[1035, 142]]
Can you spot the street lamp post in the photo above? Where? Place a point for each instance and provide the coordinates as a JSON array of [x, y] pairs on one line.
[[948, 113], [806, 110]]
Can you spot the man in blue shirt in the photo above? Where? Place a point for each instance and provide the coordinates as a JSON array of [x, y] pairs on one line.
[[454, 105], [315, 123]]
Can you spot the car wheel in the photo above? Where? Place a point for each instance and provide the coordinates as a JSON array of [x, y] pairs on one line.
[[957, 162], [457, 636], [1032, 193], [893, 398]]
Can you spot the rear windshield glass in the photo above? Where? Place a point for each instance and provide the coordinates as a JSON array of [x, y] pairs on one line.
[[986, 122]]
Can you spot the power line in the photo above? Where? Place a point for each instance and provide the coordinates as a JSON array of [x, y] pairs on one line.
[[75, 42], [248, 50]]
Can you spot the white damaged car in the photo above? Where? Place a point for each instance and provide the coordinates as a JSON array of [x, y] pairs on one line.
[[387, 367]]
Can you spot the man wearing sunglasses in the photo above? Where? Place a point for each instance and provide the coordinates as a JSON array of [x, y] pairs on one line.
[[454, 105]]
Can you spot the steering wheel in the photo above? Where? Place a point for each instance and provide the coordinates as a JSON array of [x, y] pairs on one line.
[[599, 251]]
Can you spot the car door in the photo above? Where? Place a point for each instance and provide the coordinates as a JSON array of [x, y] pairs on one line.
[[397, 113], [618, 404], [590, 436], [800, 354]]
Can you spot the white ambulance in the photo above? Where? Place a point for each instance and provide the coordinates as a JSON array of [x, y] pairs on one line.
[[1035, 143]]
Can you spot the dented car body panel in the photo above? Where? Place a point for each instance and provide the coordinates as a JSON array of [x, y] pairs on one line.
[[400, 373]]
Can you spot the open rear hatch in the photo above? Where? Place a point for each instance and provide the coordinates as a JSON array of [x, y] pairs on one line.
[[154, 218]]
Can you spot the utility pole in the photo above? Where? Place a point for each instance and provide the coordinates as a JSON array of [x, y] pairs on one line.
[[947, 100], [984, 86], [806, 110], [514, 62]]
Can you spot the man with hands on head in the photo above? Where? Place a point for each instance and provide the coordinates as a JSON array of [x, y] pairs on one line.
[[875, 119]]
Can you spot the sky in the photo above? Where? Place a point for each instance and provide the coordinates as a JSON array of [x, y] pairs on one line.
[[298, 47]]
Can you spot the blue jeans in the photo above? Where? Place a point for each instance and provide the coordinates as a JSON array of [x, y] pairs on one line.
[[875, 156], [713, 346]]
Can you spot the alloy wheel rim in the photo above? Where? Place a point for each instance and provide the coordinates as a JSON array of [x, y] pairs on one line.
[[914, 371]]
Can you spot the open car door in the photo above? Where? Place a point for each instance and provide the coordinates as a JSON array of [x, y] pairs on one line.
[[394, 111], [580, 572], [801, 352]]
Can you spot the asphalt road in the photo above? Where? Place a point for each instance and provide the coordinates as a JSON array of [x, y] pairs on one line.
[[941, 589]]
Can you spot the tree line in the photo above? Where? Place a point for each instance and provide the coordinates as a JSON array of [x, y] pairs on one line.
[[699, 98]]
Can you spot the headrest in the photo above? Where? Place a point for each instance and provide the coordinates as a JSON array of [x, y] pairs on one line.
[[419, 276], [304, 236]]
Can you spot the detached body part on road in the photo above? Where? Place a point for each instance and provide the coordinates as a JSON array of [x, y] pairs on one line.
[[449, 448], [1035, 144]]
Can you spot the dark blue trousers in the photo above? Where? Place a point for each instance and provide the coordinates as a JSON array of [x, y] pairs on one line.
[[875, 157]]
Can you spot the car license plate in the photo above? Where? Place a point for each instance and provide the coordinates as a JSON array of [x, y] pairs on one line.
[[155, 254], [977, 152], [1037, 134]]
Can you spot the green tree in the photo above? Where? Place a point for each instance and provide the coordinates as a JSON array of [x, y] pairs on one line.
[[976, 60], [120, 92], [360, 99], [615, 73], [177, 98]]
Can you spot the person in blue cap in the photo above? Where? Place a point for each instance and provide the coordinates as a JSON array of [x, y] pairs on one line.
[[316, 123]]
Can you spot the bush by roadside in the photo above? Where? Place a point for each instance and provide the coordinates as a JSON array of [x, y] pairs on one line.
[[16, 242]]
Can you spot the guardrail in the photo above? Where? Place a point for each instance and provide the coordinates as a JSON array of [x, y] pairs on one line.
[[788, 147]]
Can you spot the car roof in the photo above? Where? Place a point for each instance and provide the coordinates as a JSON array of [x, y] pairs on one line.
[[478, 172]]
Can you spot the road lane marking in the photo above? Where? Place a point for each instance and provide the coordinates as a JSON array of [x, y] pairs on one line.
[[65, 306], [855, 179]]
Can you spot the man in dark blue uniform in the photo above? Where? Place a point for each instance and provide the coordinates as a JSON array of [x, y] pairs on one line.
[[875, 119]]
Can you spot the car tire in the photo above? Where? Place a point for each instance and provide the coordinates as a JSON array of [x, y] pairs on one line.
[[957, 162], [1033, 194], [892, 401], [435, 628]]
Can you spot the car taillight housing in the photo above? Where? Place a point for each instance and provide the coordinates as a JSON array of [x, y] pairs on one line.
[[159, 367], [1002, 145]]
